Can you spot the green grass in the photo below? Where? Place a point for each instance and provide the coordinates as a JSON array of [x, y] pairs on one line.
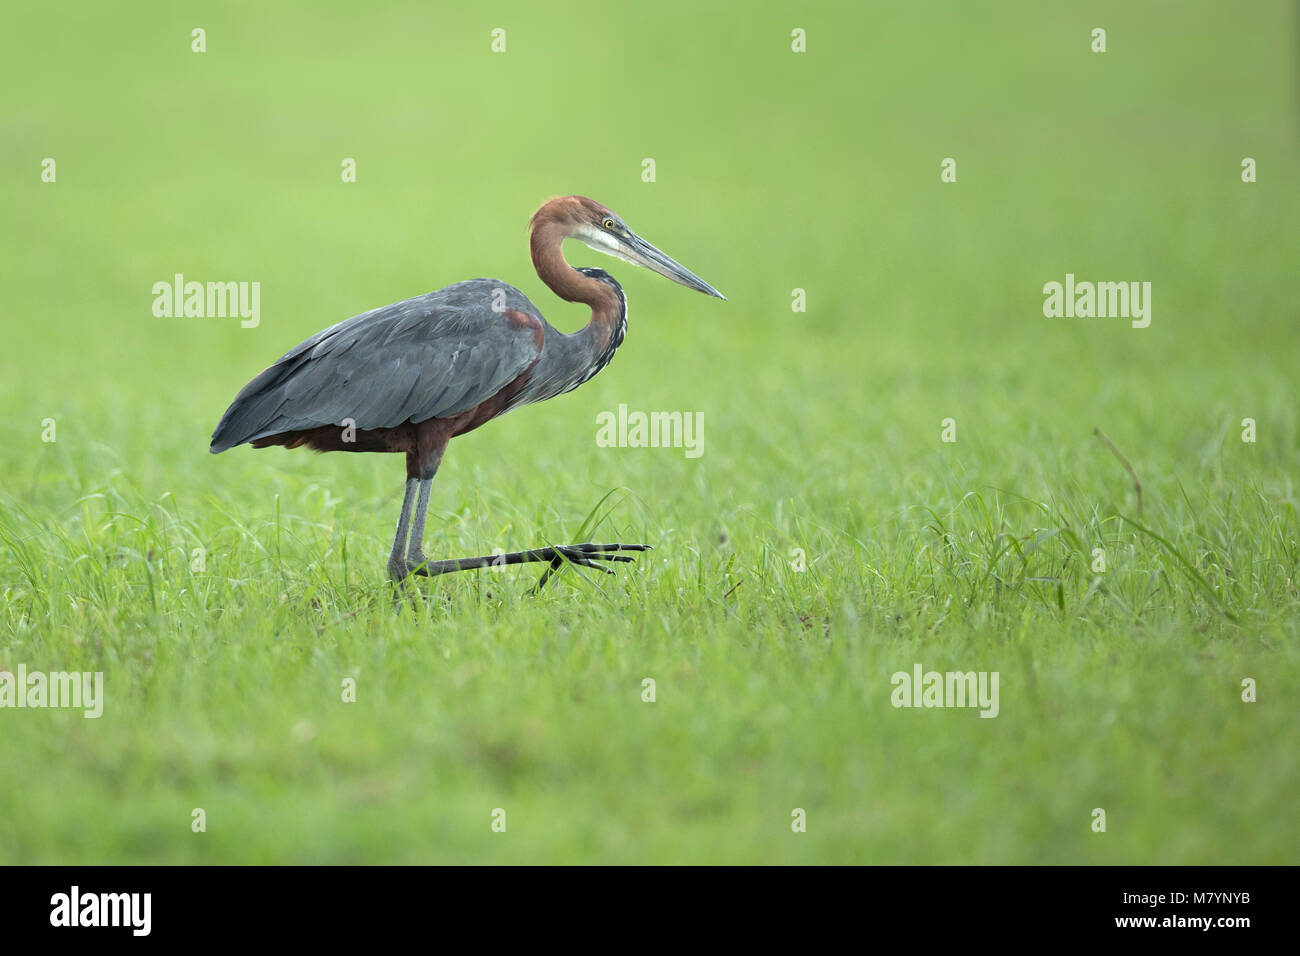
[[775, 171]]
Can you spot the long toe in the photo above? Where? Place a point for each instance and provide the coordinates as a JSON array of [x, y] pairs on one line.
[[590, 548], [584, 557], [588, 563]]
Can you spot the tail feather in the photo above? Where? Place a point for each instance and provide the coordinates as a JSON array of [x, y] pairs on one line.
[[254, 409]]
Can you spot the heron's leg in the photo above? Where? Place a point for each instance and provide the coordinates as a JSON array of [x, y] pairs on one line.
[[421, 465], [397, 569], [584, 555], [415, 556]]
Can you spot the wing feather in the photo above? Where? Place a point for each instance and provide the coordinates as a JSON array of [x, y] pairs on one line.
[[432, 356]]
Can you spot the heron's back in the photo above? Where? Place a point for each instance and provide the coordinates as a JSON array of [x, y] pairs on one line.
[[430, 356]]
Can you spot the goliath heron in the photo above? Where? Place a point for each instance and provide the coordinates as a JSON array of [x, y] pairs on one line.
[[411, 376]]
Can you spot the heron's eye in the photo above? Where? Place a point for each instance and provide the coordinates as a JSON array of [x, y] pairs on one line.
[[609, 224]]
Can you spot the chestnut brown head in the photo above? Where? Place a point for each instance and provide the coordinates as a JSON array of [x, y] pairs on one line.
[[602, 229]]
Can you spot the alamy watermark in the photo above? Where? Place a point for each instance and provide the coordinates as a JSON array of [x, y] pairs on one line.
[[624, 429], [208, 300], [1102, 300], [75, 908], [77, 690], [923, 688]]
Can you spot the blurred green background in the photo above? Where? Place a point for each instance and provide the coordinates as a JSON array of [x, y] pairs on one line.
[[775, 171]]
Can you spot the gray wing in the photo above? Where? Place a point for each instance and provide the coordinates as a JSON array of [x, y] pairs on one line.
[[432, 356]]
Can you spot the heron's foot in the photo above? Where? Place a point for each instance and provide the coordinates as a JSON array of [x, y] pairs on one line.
[[586, 555]]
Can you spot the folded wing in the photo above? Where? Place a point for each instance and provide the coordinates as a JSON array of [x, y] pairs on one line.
[[429, 357]]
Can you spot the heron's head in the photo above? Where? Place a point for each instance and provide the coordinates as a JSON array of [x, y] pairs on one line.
[[602, 229]]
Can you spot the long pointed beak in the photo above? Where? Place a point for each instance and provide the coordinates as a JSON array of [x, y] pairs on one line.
[[641, 253]]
